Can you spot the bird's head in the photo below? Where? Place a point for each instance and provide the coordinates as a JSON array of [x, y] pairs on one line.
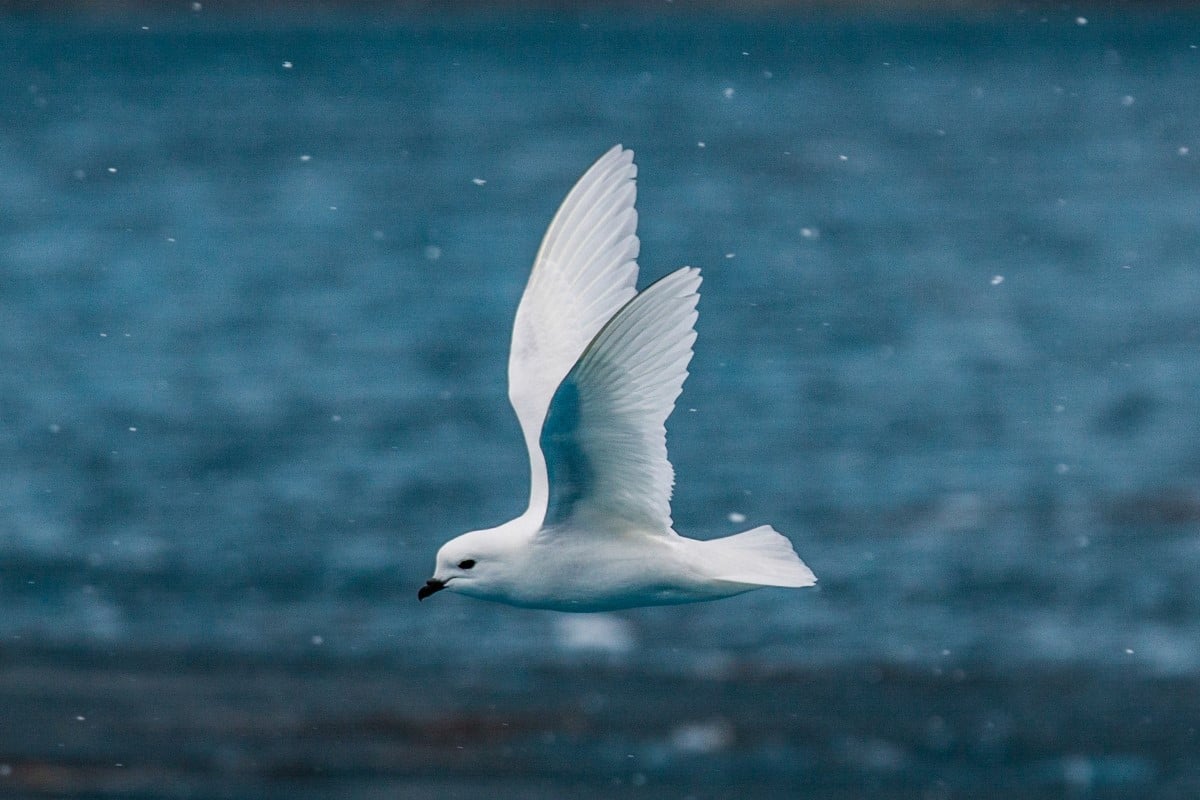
[[478, 564]]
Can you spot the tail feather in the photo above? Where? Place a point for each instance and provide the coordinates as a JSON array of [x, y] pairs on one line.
[[761, 556]]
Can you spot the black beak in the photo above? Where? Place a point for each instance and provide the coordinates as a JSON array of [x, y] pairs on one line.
[[431, 586]]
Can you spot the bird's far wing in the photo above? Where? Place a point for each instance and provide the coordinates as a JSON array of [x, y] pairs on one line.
[[585, 271], [605, 436]]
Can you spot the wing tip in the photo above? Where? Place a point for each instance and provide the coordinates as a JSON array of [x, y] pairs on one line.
[[617, 153], [687, 279]]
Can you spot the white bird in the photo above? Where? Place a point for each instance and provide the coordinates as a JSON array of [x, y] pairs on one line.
[[593, 374]]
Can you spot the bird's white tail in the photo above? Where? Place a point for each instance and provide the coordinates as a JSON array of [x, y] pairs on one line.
[[761, 556]]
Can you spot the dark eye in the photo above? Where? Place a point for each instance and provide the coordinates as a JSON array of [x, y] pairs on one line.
[[466, 563]]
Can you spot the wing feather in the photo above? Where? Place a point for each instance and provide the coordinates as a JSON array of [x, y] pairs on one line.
[[605, 435], [584, 272]]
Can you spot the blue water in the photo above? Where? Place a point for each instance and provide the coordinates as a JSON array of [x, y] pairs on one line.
[[257, 277]]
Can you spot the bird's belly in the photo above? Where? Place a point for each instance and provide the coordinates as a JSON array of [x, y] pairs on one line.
[[587, 578]]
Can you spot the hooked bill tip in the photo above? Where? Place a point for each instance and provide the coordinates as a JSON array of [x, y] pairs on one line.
[[431, 586]]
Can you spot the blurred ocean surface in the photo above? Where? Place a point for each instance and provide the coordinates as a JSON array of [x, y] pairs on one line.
[[257, 278]]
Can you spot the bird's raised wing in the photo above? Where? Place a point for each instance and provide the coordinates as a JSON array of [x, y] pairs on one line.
[[605, 437], [585, 271]]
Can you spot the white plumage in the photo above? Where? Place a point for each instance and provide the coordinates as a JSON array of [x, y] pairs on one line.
[[594, 372]]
